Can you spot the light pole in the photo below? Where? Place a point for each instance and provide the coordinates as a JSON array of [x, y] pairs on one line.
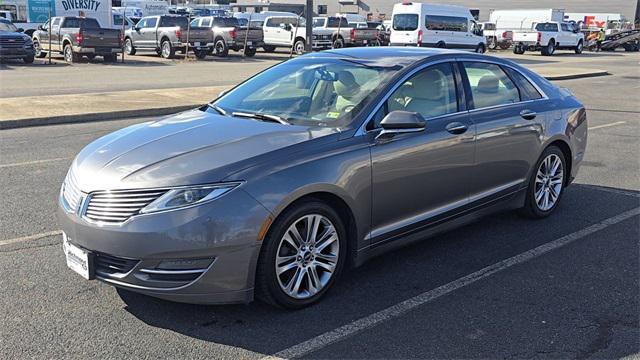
[[309, 27]]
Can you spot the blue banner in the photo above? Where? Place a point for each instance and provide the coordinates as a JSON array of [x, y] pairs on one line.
[[39, 10]]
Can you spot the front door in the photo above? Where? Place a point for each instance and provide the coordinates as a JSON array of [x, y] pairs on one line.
[[509, 128], [136, 33], [419, 177], [56, 41], [149, 33]]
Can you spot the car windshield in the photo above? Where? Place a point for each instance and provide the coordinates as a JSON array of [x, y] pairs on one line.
[[5, 26], [313, 92], [405, 22]]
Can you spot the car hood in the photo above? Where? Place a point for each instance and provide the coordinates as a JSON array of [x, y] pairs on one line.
[[193, 147]]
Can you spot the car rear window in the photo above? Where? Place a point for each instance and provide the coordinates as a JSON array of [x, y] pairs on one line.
[[225, 22], [170, 21], [547, 27], [405, 22], [87, 23], [334, 22]]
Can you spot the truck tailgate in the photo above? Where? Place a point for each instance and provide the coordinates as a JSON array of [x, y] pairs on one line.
[[255, 35], [100, 38], [196, 34], [365, 34], [525, 36]]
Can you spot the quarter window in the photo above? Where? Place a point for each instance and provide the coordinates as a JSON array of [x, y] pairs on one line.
[[490, 86], [527, 90]]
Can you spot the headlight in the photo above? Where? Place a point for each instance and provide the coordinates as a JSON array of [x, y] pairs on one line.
[[188, 196]]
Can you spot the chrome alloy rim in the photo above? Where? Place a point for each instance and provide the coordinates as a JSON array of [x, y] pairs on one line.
[[128, 46], [299, 47], [68, 54], [307, 256], [166, 49], [549, 180]]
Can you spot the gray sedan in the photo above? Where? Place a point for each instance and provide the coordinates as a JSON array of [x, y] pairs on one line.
[[311, 167]]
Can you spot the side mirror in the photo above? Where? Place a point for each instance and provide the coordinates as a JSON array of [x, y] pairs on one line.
[[20, 30], [41, 28], [398, 122]]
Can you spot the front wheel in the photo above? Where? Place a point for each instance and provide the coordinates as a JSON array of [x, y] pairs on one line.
[[299, 46], [302, 255], [546, 184], [549, 49], [338, 43], [579, 47], [480, 49], [128, 47], [38, 49], [492, 43]]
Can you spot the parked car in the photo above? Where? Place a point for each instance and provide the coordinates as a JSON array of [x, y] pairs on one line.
[[547, 38], [283, 31], [14, 44], [433, 25], [76, 37], [313, 164], [496, 37], [167, 34], [226, 33], [346, 34]]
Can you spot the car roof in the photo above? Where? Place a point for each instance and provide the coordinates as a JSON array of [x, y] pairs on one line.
[[387, 54]]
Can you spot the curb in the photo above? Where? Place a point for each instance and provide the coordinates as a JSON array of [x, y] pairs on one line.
[[577, 76], [127, 114], [91, 117]]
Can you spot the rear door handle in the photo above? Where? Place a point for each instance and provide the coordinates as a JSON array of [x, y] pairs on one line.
[[528, 114], [457, 128]]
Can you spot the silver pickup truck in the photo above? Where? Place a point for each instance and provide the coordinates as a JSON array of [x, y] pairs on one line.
[[165, 34], [227, 34], [345, 34]]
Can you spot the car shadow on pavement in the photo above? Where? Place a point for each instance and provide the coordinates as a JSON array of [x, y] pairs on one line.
[[388, 279]]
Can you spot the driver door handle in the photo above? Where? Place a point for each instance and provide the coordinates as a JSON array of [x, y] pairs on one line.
[[457, 128]]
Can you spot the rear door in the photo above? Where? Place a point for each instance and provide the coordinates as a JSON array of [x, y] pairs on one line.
[[509, 123], [405, 28], [421, 176]]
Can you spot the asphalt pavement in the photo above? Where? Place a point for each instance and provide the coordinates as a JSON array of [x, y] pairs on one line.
[[487, 290]]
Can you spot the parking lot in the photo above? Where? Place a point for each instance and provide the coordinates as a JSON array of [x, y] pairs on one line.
[[506, 287]]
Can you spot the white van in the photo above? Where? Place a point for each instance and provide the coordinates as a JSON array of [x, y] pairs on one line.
[[433, 25]]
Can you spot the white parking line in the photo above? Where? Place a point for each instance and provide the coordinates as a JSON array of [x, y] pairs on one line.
[[34, 162], [399, 309], [607, 125], [31, 237]]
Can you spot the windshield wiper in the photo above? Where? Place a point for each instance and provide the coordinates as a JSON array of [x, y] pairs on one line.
[[263, 117], [218, 109]]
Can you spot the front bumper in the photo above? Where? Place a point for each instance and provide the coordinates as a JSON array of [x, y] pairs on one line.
[[16, 53], [221, 236]]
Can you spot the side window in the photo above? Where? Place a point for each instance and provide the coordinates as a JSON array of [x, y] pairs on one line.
[[431, 93], [272, 22], [151, 22], [56, 22], [194, 23], [564, 27], [206, 22], [141, 23], [527, 90], [490, 86]]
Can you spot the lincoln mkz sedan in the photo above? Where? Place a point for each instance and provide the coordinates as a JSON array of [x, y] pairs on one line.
[[313, 166]]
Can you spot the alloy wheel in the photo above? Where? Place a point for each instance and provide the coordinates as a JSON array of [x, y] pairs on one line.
[[68, 54], [548, 182], [307, 256], [166, 50]]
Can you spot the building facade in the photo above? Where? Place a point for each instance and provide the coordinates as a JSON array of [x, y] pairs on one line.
[[381, 9]]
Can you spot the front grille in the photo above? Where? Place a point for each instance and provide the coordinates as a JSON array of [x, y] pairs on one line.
[[322, 37], [71, 192], [118, 206], [112, 265], [9, 43]]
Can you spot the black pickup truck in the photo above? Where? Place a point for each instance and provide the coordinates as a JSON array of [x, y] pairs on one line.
[[75, 37]]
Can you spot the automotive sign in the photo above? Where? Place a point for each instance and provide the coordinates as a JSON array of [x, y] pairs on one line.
[[39, 10], [97, 9], [148, 7]]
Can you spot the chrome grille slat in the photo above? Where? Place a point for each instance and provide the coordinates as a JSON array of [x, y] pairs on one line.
[[71, 192], [117, 206]]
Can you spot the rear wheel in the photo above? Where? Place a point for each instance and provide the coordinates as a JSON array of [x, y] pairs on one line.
[[220, 48], [269, 48], [441, 45], [166, 50], [201, 54], [579, 47], [492, 43], [338, 43], [128, 47], [302, 256], [69, 55], [110, 58], [250, 51], [518, 49], [504, 45], [28, 59], [299, 46], [549, 49], [91, 56], [546, 184]]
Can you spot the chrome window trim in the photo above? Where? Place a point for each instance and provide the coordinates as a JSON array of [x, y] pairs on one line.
[[362, 128]]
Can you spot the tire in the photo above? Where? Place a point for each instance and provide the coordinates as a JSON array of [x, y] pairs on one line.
[[110, 58], [166, 50], [518, 49], [271, 287], [504, 45], [299, 46], [269, 48], [220, 48], [579, 47], [441, 45], [549, 49], [69, 55], [128, 47], [250, 51], [28, 59], [38, 50], [480, 49], [492, 43], [201, 54], [542, 179], [375, 42], [338, 43], [91, 56]]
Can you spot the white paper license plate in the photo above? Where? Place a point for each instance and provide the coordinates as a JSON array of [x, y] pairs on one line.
[[78, 260], [249, 43], [366, 41], [197, 43]]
